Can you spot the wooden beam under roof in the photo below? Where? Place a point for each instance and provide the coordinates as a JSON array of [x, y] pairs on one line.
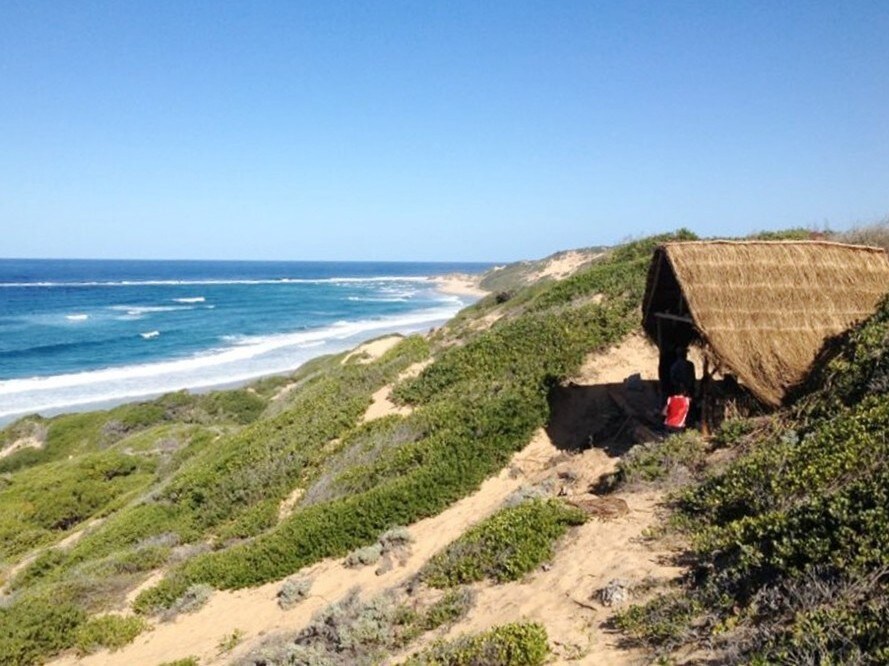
[[673, 317]]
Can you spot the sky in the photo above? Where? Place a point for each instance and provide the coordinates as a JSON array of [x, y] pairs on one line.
[[467, 131]]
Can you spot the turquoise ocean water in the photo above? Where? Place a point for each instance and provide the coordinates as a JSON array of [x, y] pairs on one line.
[[80, 334]]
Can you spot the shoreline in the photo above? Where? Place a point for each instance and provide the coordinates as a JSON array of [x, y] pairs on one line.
[[457, 284]]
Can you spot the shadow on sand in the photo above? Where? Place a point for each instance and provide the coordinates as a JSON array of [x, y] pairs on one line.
[[606, 416]]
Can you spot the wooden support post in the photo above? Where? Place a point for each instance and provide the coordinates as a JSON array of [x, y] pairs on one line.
[[705, 398]]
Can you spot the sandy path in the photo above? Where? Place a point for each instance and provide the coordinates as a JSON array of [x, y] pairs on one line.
[[564, 597]]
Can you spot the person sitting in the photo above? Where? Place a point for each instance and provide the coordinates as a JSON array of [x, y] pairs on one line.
[[676, 412], [682, 373]]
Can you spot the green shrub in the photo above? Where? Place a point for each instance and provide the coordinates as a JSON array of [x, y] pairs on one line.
[[108, 631], [677, 460], [517, 644], [505, 546], [664, 621], [192, 599], [241, 406], [447, 610], [791, 539], [293, 591], [35, 627], [49, 499]]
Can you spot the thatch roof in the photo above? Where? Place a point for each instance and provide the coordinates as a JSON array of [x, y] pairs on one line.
[[765, 308]]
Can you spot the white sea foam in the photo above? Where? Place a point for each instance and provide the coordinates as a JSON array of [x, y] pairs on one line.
[[193, 299], [136, 310], [77, 317], [369, 299], [150, 334], [241, 359], [164, 283]]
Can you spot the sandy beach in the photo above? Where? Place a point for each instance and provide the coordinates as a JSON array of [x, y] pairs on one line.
[[460, 284]]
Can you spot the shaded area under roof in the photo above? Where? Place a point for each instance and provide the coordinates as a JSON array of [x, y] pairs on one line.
[[764, 308]]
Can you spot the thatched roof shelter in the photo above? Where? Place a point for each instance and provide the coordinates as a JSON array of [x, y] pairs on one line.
[[762, 309]]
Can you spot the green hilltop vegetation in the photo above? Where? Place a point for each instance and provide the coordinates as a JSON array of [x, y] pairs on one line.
[[788, 540]]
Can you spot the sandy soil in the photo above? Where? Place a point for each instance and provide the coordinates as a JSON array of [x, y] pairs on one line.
[[382, 405], [636, 354], [371, 351], [562, 266], [19, 444], [460, 284], [561, 595]]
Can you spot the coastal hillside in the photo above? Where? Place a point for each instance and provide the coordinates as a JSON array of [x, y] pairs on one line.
[[462, 497]]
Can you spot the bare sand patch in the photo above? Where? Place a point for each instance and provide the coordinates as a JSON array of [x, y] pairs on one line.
[[460, 284], [563, 265], [21, 444], [382, 404], [287, 504], [635, 354], [371, 351]]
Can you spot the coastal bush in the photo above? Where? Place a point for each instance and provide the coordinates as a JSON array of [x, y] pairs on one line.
[[192, 599], [676, 460], [47, 500], [36, 626], [346, 470], [108, 631], [65, 435], [355, 632], [517, 644], [364, 556], [348, 632], [454, 605], [241, 406], [264, 461], [505, 546], [293, 591], [791, 540], [874, 235]]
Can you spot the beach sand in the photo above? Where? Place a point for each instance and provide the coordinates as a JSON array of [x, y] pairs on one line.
[[460, 284]]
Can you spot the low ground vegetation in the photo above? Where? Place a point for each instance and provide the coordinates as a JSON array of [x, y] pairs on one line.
[[357, 632], [504, 547], [518, 644], [789, 541]]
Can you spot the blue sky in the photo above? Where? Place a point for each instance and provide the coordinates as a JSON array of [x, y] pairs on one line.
[[492, 130]]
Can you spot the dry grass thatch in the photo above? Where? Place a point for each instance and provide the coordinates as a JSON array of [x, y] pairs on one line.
[[766, 308]]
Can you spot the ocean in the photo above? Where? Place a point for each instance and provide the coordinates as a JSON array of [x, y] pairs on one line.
[[78, 334]]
